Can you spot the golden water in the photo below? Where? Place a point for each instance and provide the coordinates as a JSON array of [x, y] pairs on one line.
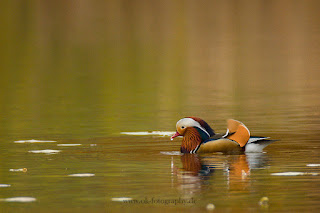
[[83, 72]]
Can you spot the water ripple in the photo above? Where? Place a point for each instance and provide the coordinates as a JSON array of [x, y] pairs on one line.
[[71, 144], [34, 141], [45, 151], [19, 199], [158, 133], [82, 175], [294, 173]]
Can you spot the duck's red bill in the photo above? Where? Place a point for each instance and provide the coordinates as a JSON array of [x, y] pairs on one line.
[[175, 135]]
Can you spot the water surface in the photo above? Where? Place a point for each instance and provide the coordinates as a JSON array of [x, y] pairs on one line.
[[76, 75]]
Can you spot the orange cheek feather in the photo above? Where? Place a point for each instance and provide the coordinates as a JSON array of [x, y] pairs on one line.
[[181, 131]]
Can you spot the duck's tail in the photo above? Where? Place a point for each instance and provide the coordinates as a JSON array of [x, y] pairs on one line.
[[257, 144]]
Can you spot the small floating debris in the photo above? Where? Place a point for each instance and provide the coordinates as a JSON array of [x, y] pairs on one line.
[[313, 165], [18, 170], [264, 202], [82, 175], [19, 199], [293, 173], [4, 185], [45, 151], [93, 144], [171, 153], [157, 133], [210, 207], [34, 141], [121, 199], [71, 144]]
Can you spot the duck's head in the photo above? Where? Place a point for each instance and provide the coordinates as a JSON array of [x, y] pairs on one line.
[[187, 122], [194, 131]]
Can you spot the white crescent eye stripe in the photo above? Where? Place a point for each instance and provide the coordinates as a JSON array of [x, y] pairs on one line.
[[189, 122]]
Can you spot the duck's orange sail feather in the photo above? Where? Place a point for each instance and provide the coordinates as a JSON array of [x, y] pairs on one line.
[[238, 132]]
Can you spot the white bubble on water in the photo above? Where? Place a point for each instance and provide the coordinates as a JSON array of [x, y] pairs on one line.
[[19, 199]]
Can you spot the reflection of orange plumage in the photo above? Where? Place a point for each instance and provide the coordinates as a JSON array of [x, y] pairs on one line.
[[191, 163], [240, 168], [188, 178], [195, 168], [239, 173]]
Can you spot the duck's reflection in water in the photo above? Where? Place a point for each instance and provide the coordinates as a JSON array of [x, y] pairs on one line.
[[231, 170]]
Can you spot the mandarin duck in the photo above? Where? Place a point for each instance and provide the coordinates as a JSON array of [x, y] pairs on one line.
[[199, 137]]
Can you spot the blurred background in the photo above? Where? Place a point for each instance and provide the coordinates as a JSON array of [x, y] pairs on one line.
[[95, 68], [82, 72]]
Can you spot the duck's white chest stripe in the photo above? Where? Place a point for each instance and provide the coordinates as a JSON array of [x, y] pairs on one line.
[[195, 150]]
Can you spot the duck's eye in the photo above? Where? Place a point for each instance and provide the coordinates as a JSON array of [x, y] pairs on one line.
[[182, 127]]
